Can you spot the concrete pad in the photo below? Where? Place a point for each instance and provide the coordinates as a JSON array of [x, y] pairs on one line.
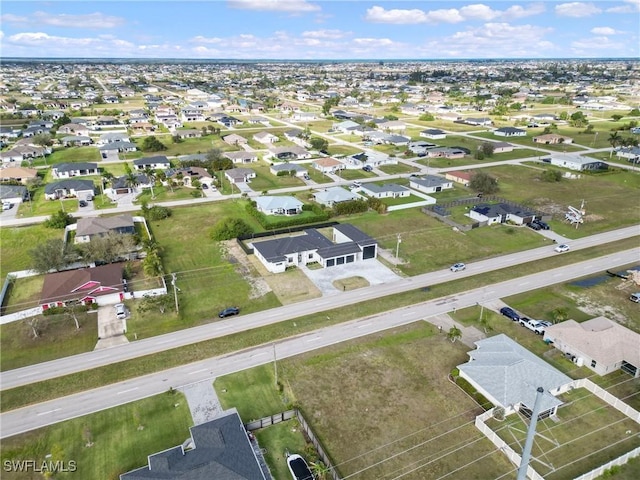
[[111, 330], [374, 271], [203, 401]]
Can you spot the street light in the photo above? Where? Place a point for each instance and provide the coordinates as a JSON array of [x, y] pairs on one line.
[[398, 244]]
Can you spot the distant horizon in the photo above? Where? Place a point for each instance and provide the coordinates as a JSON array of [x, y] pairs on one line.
[[316, 30]]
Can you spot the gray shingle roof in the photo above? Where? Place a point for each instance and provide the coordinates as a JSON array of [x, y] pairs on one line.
[[276, 249], [69, 184], [72, 167]]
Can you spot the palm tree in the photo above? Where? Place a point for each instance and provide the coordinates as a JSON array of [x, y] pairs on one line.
[[319, 470], [454, 334], [614, 140], [151, 175], [105, 178], [132, 181]]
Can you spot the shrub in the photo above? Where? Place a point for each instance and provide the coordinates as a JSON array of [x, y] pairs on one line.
[[60, 219], [229, 228]]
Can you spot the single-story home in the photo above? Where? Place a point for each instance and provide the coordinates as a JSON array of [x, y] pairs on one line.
[[13, 194], [304, 116], [101, 285], [552, 139], [113, 137], [188, 174], [445, 152], [68, 170], [483, 121], [189, 133], [499, 147], [278, 205], [288, 167], [220, 449], [157, 162], [458, 176], [292, 152], [433, 134], [601, 344], [75, 141], [69, 188], [349, 244], [241, 157], [239, 175], [387, 190], [632, 154], [122, 186], [508, 375], [510, 132], [420, 147], [332, 195], [577, 162], [235, 139], [91, 227], [74, 129], [18, 174], [371, 158], [117, 147], [265, 138], [430, 183], [501, 213], [328, 165]]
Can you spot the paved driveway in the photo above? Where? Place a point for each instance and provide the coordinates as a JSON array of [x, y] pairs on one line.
[[374, 271]]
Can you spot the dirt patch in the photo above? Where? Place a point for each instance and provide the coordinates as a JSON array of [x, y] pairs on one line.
[[351, 283], [290, 286], [236, 256], [593, 307]]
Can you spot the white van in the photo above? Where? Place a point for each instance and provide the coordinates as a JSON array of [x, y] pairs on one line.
[[635, 297]]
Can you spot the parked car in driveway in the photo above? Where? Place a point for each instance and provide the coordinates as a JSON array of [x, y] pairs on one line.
[[535, 326], [457, 267], [6, 206], [563, 247], [82, 203], [534, 226], [635, 297], [510, 313], [541, 224], [229, 312]]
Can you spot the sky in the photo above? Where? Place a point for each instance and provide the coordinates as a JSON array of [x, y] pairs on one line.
[[308, 29]]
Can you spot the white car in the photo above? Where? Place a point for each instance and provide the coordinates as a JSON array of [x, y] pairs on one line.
[[535, 326], [562, 248], [457, 267], [6, 206], [121, 310]]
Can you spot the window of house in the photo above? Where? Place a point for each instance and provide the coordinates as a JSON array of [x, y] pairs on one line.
[[593, 363]]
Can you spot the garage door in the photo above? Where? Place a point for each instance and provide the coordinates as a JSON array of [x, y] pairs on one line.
[[369, 252], [331, 262]]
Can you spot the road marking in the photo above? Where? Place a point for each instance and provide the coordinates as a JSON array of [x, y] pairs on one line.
[[524, 283], [364, 325], [198, 371], [50, 411], [315, 339], [407, 314], [126, 391], [163, 341], [557, 274], [28, 374]]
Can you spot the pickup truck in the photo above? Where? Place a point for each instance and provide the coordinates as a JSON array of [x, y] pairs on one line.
[[535, 326]]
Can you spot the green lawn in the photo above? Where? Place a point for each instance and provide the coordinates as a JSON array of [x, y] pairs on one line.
[[279, 439], [397, 169], [74, 154], [265, 180], [119, 444], [14, 256], [23, 293]]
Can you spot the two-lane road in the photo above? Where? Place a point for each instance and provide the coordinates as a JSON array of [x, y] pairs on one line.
[[89, 360], [46, 413]]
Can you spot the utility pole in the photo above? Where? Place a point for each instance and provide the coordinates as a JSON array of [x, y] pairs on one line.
[[526, 452], [175, 290], [398, 244]]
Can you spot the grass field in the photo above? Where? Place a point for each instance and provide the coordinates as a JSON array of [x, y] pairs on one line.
[[14, 256], [119, 445]]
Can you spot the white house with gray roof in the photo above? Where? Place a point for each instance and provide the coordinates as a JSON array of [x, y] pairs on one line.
[[331, 196], [68, 170], [69, 188], [278, 205], [430, 183], [508, 375], [387, 190], [298, 170], [348, 245], [577, 162]]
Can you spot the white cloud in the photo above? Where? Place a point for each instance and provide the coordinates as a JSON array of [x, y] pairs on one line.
[[597, 45], [325, 34], [375, 42], [577, 9], [290, 6], [605, 31], [478, 11], [10, 18], [90, 20], [632, 6], [201, 39], [37, 43]]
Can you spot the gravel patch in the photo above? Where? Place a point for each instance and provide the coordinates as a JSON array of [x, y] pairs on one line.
[[203, 401]]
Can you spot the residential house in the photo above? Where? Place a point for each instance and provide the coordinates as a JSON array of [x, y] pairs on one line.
[[457, 176], [219, 449], [19, 153], [332, 195], [297, 136], [266, 138], [191, 115], [430, 183], [380, 138], [501, 213], [259, 121], [482, 122], [188, 133], [390, 125], [74, 129], [552, 139], [68, 170], [101, 285], [13, 194], [241, 157], [187, 175], [278, 205], [113, 137], [157, 162], [75, 141], [499, 147], [304, 116], [632, 154], [18, 174], [123, 186], [508, 375], [371, 158], [299, 170], [107, 121], [510, 132], [348, 245], [9, 132], [387, 190], [433, 134], [577, 162], [420, 147], [328, 165], [291, 152], [240, 175], [89, 228], [235, 139], [348, 126], [69, 188], [601, 344], [116, 147], [446, 152]]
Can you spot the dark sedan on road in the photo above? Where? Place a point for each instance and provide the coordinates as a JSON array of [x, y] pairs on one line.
[[229, 312]]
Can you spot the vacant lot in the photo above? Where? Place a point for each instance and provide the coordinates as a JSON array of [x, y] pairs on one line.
[[121, 439], [382, 406]]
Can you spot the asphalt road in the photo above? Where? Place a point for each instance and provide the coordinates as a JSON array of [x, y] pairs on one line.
[[46, 413], [85, 361]]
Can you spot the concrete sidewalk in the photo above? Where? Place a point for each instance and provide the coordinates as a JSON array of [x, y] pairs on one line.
[[470, 335]]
